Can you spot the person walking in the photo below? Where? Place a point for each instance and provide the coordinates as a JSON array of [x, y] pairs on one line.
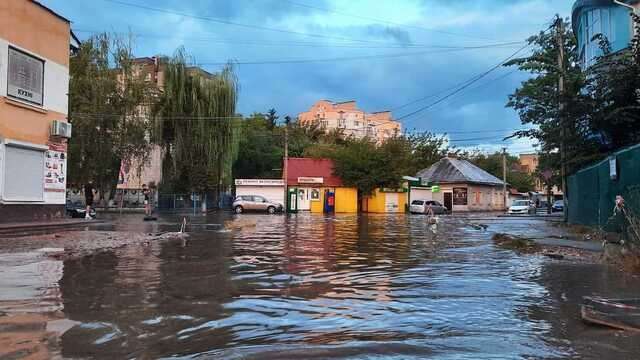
[[88, 199], [147, 200]]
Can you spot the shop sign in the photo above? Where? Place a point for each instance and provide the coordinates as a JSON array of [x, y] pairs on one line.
[[310, 180], [260, 182], [459, 196], [25, 79], [55, 171], [435, 189]]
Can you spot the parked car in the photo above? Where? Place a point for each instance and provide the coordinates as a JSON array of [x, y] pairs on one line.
[[522, 207], [78, 210], [244, 203], [421, 206], [558, 206]]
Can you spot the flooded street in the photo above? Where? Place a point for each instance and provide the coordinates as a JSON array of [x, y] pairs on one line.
[[305, 286]]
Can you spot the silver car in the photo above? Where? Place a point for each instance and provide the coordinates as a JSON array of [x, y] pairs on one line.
[[421, 206], [244, 203]]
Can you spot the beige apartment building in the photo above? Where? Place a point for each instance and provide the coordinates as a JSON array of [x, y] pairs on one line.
[[35, 45], [352, 121], [529, 163]]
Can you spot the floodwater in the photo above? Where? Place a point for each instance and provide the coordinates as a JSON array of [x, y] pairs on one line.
[[306, 286]]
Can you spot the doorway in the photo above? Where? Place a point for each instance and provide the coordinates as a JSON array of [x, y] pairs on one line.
[[304, 200], [448, 201]]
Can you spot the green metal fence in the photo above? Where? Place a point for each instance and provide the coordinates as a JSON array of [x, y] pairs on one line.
[[592, 191]]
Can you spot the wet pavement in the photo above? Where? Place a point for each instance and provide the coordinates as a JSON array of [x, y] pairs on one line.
[[308, 286]]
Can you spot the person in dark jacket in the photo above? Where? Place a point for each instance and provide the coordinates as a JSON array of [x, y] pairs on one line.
[[88, 198]]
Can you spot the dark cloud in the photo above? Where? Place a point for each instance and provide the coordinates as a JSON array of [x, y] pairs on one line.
[[377, 83]]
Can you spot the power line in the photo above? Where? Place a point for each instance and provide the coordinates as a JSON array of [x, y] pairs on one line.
[[466, 85], [382, 20], [346, 58], [227, 22], [349, 45]]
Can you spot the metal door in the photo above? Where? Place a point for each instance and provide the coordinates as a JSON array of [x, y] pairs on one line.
[[448, 201]]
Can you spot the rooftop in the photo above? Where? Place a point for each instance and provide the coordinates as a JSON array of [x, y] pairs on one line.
[[309, 167], [451, 170]]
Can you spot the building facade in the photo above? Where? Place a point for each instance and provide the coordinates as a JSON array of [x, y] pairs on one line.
[[346, 117], [460, 186], [607, 17], [34, 83], [312, 186], [529, 164]]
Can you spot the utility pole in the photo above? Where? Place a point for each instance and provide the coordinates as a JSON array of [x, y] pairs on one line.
[[287, 119], [561, 114], [504, 176]]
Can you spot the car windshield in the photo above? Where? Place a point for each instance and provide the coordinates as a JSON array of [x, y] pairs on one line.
[[559, 202], [521, 203], [417, 202]]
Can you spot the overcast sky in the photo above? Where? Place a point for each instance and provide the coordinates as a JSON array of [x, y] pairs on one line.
[[384, 54]]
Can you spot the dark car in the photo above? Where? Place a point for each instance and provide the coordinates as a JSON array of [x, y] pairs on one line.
[[558, 206], [78, 210]]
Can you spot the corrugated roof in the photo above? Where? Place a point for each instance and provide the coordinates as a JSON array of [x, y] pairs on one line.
[[451, 170], [308, 167]]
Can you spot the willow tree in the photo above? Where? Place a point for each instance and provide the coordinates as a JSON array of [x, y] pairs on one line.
[[196, 124]]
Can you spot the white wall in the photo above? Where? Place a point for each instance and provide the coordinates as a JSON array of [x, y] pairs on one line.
[[56, 79]]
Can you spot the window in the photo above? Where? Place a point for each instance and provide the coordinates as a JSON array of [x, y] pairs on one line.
[[478, 197], [342, 123], [25, 80], [417, 202], [24, 174]]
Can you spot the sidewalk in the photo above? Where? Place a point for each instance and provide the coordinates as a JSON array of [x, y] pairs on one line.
[[582, 245], [24, 227]]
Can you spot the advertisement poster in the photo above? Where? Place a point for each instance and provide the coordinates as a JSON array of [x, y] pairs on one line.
[[459, 196], [55, 170]]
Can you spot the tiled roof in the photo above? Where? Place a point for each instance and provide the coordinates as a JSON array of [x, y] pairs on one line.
[[308, 167], [450, 170]]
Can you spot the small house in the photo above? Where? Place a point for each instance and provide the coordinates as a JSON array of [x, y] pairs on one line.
[[460, 186]]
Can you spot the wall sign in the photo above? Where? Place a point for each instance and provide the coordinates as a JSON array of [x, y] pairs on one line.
[[25, 80], [459, 196], [260, 182], [613, 168], [315, 194], [435, 189], [55, 170], [310, 180]]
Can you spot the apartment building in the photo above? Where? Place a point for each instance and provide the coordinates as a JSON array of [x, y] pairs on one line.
[[529, 164], [34, 82], [351, 120]]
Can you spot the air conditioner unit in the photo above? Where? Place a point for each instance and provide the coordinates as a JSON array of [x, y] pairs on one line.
[[61, 128]]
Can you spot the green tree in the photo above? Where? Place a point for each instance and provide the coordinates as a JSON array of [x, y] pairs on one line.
[[426, 149], [197, 126], [261, 149], [272, 118], [107, 94], [493, 164], [537, 99]]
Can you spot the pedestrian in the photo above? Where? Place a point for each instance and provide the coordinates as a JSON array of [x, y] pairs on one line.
[[147, 199], [88, 199]]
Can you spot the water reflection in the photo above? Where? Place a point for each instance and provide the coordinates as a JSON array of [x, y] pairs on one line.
[[304, 285]]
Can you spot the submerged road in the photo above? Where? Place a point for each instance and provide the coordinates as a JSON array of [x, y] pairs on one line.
[[307, 286]]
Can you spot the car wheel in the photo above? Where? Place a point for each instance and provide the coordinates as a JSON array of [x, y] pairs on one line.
[[271, 210], [238, 209]]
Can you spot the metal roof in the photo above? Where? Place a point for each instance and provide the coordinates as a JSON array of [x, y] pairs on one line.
[[451, 170]]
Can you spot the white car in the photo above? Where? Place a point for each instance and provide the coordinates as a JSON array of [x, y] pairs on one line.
[[522, 207], [420, 207]]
